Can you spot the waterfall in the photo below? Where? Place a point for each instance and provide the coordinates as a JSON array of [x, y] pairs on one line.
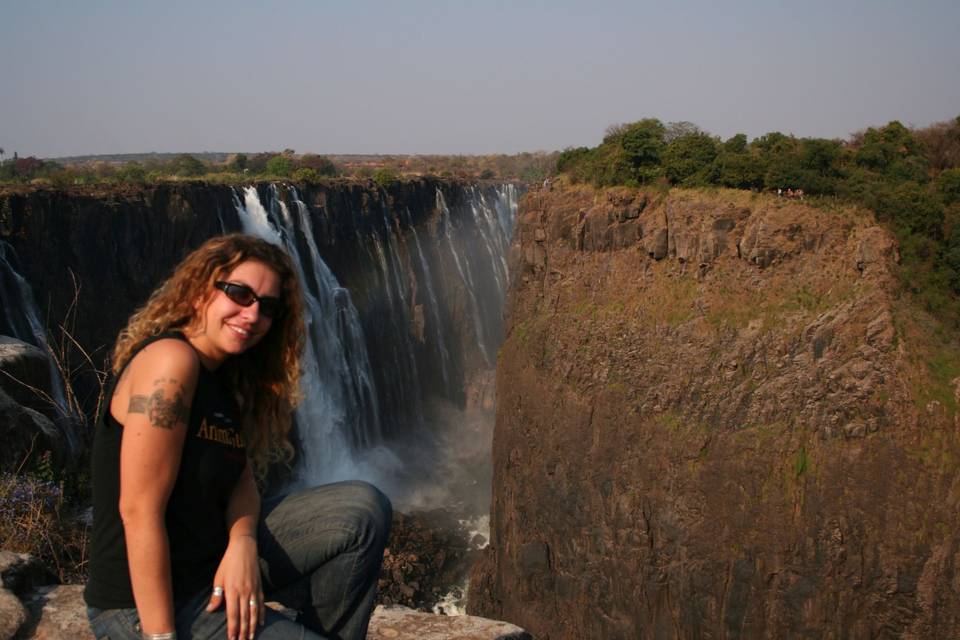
[[413, 391], [339, 413], [465, 276], [433, 307], [479, 253], [341, 423]]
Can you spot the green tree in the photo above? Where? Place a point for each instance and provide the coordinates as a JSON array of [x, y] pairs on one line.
[[911, 208], [687, 159], [642, 142], [185, 165], [132, 172], [948, 185], [321, 164], [736, 144], [738, 170], [892, 150], [280, 166], [774, 143], [306, 174], [240, 163], [385, 176]]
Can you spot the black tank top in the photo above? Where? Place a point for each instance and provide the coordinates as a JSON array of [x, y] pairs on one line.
[[214, 456]]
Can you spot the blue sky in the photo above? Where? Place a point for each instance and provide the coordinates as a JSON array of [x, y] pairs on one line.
[[459, 77]]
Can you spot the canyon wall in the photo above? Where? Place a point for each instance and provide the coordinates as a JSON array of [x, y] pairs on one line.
[[414, 275], [717, 418]]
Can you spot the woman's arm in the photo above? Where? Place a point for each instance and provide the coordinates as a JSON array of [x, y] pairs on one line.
[[160, 384], [239, 571]]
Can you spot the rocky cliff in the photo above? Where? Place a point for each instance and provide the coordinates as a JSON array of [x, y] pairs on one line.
[[717, 419], [415, 259]]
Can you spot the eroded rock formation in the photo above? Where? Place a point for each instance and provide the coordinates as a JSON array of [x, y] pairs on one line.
[[716, 419]]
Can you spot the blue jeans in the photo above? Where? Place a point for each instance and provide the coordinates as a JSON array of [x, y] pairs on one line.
[[328, 540]]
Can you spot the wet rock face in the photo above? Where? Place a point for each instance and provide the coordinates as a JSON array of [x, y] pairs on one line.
[[93, 257], [715, 419], [28, 413]]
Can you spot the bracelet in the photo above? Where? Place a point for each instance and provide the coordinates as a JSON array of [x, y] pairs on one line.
[[169, 635]]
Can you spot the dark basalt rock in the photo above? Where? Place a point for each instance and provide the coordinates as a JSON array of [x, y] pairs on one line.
[[759, 447]]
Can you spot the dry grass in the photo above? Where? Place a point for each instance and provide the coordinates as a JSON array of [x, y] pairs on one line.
[[36, 518]]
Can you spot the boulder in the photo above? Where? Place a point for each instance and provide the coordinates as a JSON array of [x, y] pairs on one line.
[[25, 373], [59, 612], [23, 430], [13, 615], [401, 623], [21, 572]]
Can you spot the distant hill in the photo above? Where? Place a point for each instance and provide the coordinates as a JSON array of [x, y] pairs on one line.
[[121, 158]]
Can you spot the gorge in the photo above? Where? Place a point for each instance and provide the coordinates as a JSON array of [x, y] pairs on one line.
[[404, 287], [718, 414]]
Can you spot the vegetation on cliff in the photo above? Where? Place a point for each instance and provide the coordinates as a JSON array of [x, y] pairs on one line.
[[909, 177], [718, 417], [141, 169]]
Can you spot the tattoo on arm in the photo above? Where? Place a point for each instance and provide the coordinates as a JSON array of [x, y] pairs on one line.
[[162, 412], [138, 404]]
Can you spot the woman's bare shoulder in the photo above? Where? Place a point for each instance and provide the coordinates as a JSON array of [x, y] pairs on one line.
[[168, 354], [166, 362]]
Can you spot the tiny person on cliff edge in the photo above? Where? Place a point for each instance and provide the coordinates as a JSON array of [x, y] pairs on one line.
[[206, 375]]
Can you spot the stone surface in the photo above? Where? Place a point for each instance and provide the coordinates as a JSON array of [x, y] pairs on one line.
[[59, 613], [401, 623], [113, 245], [24, 373], [13, 615], [21, 572], [24, 431], [727, 422]]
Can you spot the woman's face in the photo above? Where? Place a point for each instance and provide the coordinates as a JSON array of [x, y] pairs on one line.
[[227, 327]]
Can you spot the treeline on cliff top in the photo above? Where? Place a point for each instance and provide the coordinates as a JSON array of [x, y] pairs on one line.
[[286, 165], [909, 177]]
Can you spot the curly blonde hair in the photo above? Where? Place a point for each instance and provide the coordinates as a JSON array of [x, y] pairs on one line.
[[266, 377]]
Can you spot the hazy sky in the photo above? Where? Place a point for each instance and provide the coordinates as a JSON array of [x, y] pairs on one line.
[[459, 77]]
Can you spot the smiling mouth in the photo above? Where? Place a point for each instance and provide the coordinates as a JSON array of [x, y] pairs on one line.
[[243, 333]]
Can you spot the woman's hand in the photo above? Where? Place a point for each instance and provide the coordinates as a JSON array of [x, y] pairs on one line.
[[239, 576]]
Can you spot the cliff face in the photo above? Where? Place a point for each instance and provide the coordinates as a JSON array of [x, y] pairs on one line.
[[716, 420], [416, 260]]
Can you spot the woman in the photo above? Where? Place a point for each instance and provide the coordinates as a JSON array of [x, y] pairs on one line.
[[206, 376]]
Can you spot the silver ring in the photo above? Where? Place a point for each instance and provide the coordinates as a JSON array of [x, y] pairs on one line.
[[253, 602], [217, 592]]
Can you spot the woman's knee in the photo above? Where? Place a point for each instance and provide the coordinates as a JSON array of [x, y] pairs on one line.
[[372, 507]]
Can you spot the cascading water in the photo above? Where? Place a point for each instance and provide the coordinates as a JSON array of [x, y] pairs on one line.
[[340, 420], [339, 414], [465, 275], [404, 291], [430, 301], [433, 307]]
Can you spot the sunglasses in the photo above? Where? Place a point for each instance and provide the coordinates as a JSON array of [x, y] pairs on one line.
[[244, 296]]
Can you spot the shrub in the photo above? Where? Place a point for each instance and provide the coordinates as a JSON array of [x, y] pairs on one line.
[[385, 176], [688, 157], [305, 174], [322, 165], [132, 172], [948, 185], [239, 164], [186, 166], [279, 166]]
